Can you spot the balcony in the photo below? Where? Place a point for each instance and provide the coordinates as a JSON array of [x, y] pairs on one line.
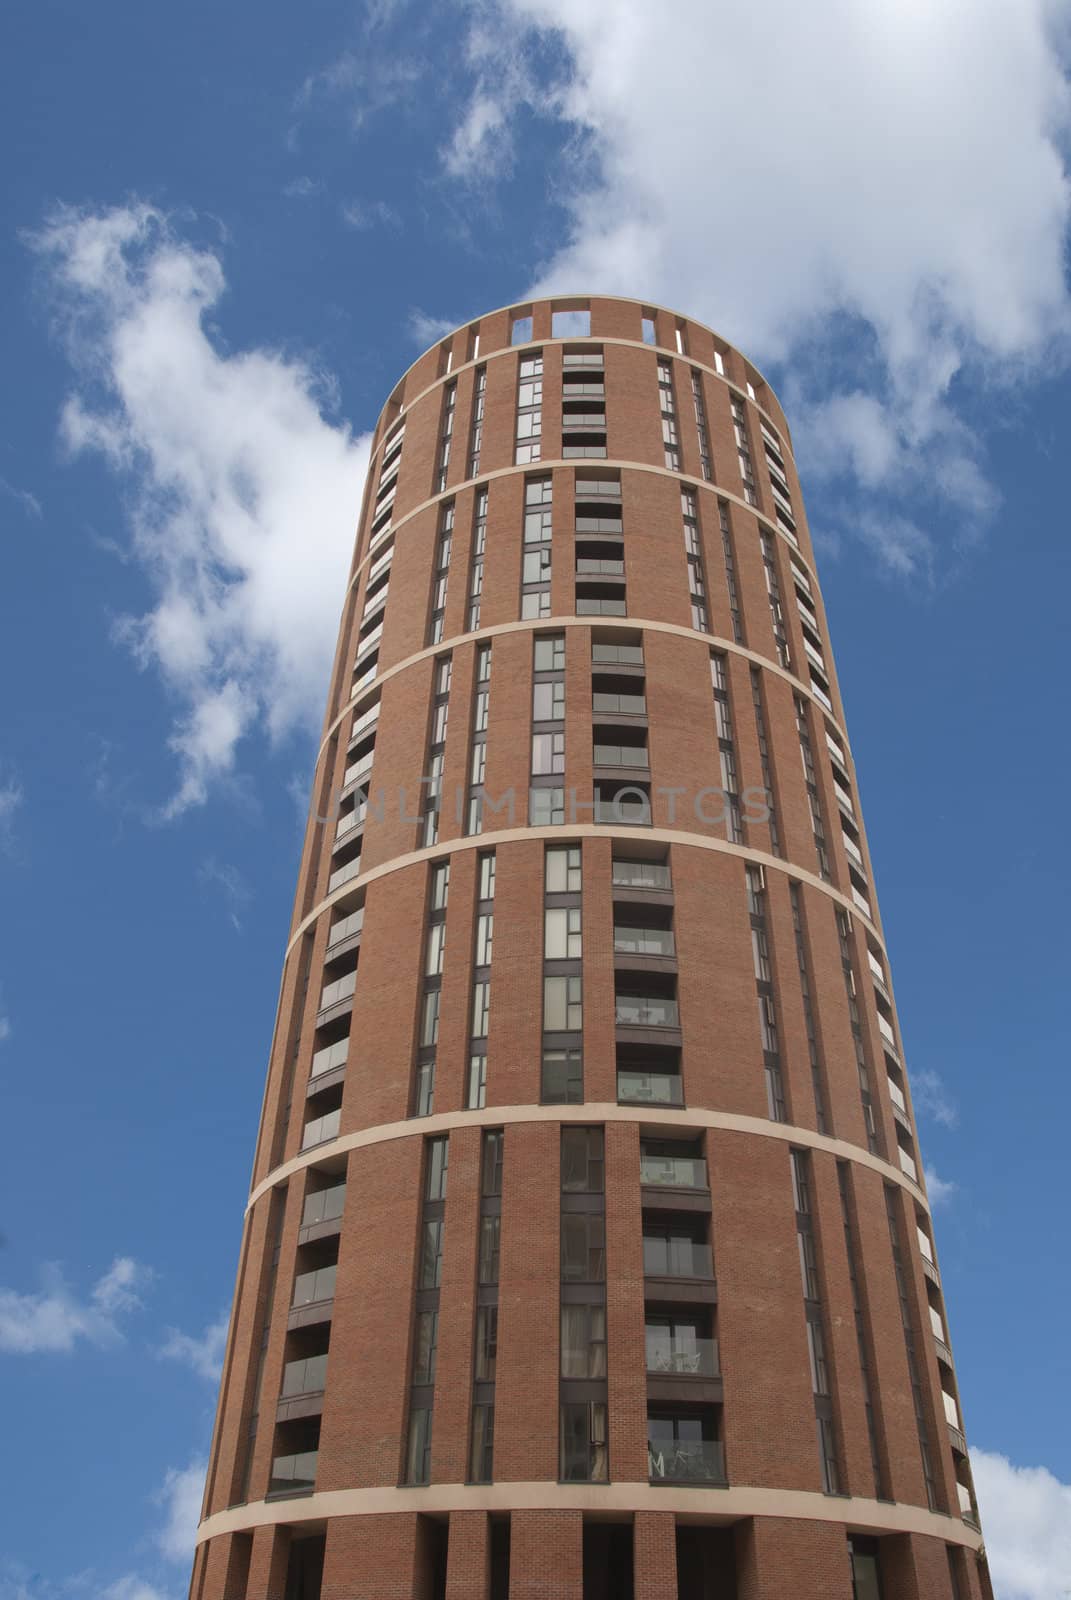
[[329, 1059], [630, 941], [358, 771], [899, 1105], [304, 1377], [620, 755], [322, 1213], [886, 1031], [676, 1256], [600, 567], [321, 1129], [314, 1288], [686, 1461], [619, 705], [675, 1172], [616, 655], [345, 930], [294, 1474], [333, 996], [650, 1088], [632, 812], [594, 606], [343, 874], [641, 875], [696, 1359], [907, 1164], [645, 1011], [350, 821]]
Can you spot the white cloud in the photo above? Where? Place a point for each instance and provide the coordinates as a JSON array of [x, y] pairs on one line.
[[181, 1496], [363, 215], [932, 1098], [1026, 1515], [54, 1318], [131, 1587], [5, 1029], [425, 329], [203, 1353], [939, 1190], [236, 892], [243, 498], [11, 798], [303, 188], [29, 502], [855, 207]]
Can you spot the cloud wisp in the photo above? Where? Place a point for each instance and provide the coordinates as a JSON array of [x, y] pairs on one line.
[[202, 1353], [1026, 1514], [55, 1319], [241, 492]]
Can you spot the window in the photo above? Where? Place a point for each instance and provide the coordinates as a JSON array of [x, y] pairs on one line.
[[546, 807], [529, 425], [562, 869], [482, 1453], [562, 1005], [584, 1456], [490, 1230], [486, 1343], [477, 1087], [446, 435], [548, 702], [436, 1170], [479, 398], [481, 1008], [583, 1161], [583, 1256], [418, 1457], [668, 405], [548, 753], [549, 653], [561, 933], [431, 1254], [426, 1341], [485, 923], [583, 1341], [563, 1078], [866, 1571]]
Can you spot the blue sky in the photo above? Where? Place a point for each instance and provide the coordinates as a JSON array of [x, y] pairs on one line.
[[226, 231]]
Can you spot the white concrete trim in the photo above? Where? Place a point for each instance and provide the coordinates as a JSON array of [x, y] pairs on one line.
[[714, 1505], [544, 624], [571, 834], [589, 1111]]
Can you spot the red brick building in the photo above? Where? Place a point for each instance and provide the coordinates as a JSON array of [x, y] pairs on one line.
[[587, 1254]]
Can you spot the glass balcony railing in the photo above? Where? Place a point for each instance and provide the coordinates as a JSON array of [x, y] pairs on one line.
[[686, 1460], [293, 1474], [320, 1129], [698, 1358], [350, 869], [623, 812], [623, 655], [304, 1377], [341, 989], [670, 1257], [346, 927], [310, 1288], [644, 941], [650, 1088], [586, 566], [896, 1095], [620, 705], [356, 771], [645, 1011], [330, 1057], [350, 820], [966, 1508], [676, 1172], [587, 607], [620, 755], [907, 1165], [324, 1205], [641, 874]]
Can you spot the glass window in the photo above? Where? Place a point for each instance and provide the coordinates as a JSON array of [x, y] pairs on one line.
[[546, 807], [549, 655], [425, 1089], [481, 1008], [433, 965], [487, 876], [583, 1160], [548, 702], [486, 1343], [561, 935], [536, 567], [583, 1443], [490, 1231], [563, 1077], [437, 1163], [440, 884], [418, 1460], [866, 1576], [481, 1460], [477, 1094], [429, 1024], [562, 869], [484, 938], [491, 1180], [583, 1255], [563, 1005], [548, 753], [424, 1346], [431, 1253], [583, 1341]]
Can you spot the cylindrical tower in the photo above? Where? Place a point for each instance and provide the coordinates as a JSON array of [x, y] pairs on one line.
[[587, 1254]]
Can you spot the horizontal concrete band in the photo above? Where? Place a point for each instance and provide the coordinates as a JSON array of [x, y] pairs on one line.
[[591, 1111], [539, 468], [562, 833], [595, 339], [542, 625], [621, 1499]]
